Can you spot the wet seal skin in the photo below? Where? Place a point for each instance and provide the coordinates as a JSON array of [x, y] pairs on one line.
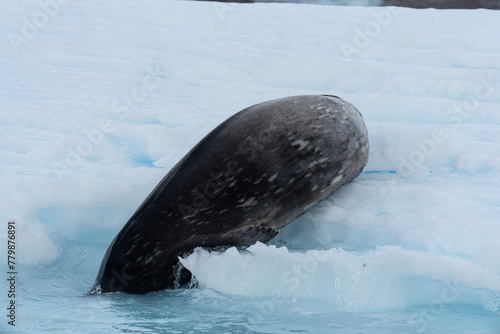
[[255, 173]]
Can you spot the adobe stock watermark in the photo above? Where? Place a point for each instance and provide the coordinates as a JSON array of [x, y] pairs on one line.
[[447, 296], [31, 26], [122, 107], [457, 114], [291, 280], [364, 36], [205, 192]]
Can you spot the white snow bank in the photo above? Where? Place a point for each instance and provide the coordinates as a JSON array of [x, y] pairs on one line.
[[380, 278]]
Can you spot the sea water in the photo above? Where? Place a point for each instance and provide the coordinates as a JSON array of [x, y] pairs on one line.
[[304, 297]]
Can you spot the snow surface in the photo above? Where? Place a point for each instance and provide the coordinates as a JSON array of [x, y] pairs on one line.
[[99, 100]]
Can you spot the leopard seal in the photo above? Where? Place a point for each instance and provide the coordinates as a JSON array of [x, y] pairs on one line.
[[253, 174]]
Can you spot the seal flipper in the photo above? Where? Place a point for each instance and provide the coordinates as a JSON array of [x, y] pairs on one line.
[[248, 235], [242, 236]]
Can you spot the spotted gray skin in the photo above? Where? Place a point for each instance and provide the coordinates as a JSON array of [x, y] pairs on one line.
[[253, 174]]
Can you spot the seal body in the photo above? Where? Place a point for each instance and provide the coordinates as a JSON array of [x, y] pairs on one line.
[[253, 174]]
